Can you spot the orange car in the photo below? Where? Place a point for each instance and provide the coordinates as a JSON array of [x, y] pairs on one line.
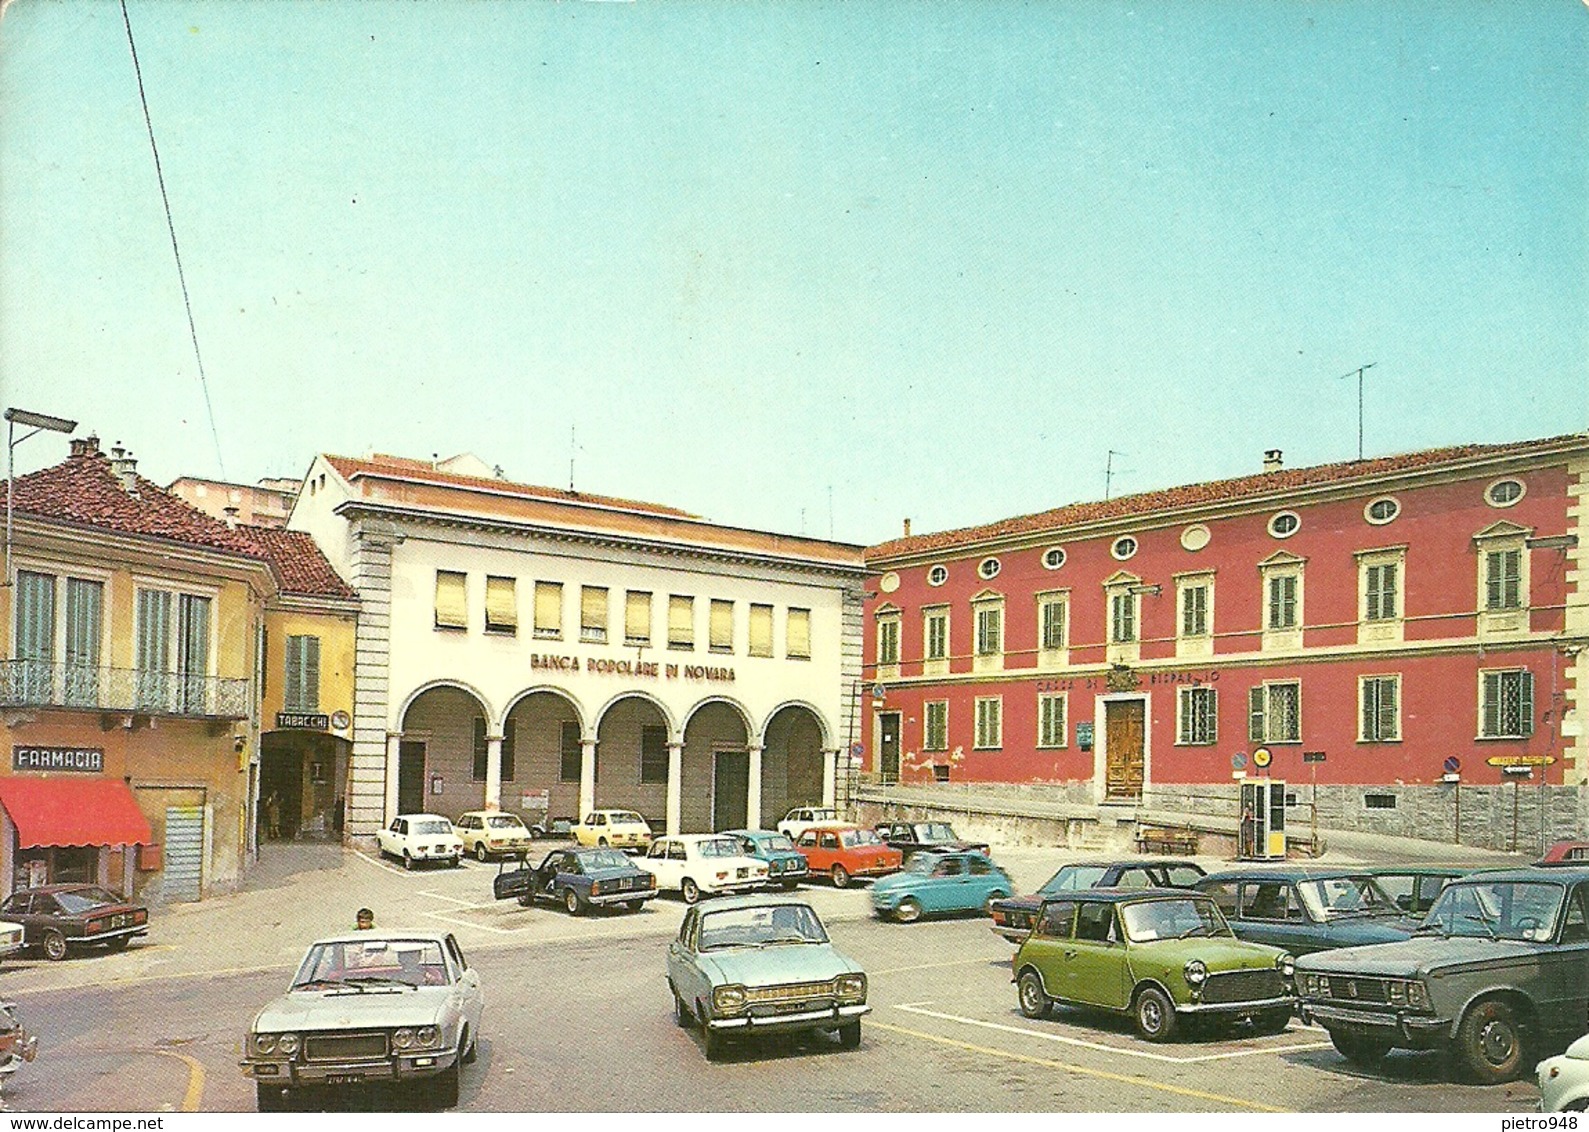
[[843, 851]]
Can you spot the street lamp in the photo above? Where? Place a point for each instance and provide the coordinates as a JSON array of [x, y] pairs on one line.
[[36, 423]]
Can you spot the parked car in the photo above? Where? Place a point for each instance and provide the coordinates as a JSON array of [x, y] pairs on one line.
[[698, 864], [801, 818], [1566, 853], [62, 918], [417, 838], [1414, 888], [1564, 1079], [911, 837], [578, 879], [938, 882], [843, 851], [17, 1046], [1305, 909], [1013, 918], [12, 935], [552, 827], [1503, 956], [490, 833], [762, 964], [785, 864], [368, 1007], [621, 829], [1158, 956]]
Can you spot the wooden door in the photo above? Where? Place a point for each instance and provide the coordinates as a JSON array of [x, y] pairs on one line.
[[1123, 746], [730, 789], [410, 777], [888, 763]]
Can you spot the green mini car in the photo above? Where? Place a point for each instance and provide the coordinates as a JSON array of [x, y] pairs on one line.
[[1159, 956]]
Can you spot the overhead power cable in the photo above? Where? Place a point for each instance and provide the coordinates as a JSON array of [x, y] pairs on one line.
[[176, 252]]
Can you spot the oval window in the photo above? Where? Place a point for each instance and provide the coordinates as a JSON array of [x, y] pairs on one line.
[[1053, 558], [1195, 537], [988, 568], [1381, 510], [889, 582], [1285, 524], [1504, 493], [1124, 547], [937, 575]]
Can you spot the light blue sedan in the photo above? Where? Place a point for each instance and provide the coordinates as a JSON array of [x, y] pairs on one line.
[[941, 882]]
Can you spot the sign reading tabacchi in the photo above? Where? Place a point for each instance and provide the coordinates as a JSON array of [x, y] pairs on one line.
[[651, 670], [85, 760]]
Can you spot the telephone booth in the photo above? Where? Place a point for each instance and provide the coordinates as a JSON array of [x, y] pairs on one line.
[[1262, 836]]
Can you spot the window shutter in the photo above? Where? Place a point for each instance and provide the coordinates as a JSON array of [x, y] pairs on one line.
[[797, 634], [548, 609], [681, 621], [1387, 709], [1525, 703], [509, 759], [593, 613], [84, 610], [760, 630], [35, 616], [720, 627], [292, 687], [310, 696], [502, 605], [452, 609], [1255, 714], [480, 749], [637, 616], [1492, 703]]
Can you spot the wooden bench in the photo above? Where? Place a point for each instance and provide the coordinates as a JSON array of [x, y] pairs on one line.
[[1181, 842]]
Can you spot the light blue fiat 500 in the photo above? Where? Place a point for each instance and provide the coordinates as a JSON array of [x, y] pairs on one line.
[[940, 883]]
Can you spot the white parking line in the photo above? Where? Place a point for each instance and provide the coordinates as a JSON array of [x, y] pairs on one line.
[[470, 924], [365, 857], [1146, 1055], [455, 900]]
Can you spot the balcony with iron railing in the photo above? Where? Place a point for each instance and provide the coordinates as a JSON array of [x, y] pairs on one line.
[[43, 684]]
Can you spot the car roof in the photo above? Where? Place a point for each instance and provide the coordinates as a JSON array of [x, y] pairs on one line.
[[1287, 872], [1423, 870], [750, 833], [1129, 862], [74, 886], [1558, 874], [753, 900], [1120, 895], [837, 825], [423, 817], [693, 837], [386, 934]]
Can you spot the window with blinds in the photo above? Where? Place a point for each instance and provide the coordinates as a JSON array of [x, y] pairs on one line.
[[85, 604], [720, 626], [549, 610], [593, 614], [990, 630], [1379, 597], [681, 622], [1198, 709], [193, 653], [888, 640], [1506, 704], [1274, 713], [637, 618], [1051, 623], [935, 629], [452, 601], [35, 635], [760, 630], [302, 690], [1381, 714], [502, 605], [1282, 601], [653, 754], [1194, 611], [1503, 579], [569, 752], [935, 727], [1122, 618], [1051, 719], [153, 614], [797, 634], [990, 723]]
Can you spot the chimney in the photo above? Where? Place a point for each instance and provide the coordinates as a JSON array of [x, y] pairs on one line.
[[1272, 461], [85, 445], [124, 467], [231, 511], [907, 528]]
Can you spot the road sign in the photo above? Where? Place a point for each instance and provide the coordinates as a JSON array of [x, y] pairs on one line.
[[1520, 760], [857, 750], [1312, 756], [1262, 758], [1452, 765], [878, 691], [1238, 761]]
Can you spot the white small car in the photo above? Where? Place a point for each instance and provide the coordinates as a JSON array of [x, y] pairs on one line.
[[489, 832], [802, 818], [620, 829], [703, 864], [1564, 1079], [415, 838]]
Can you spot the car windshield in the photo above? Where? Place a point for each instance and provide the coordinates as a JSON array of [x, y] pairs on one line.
[[930, 831], [719, 847], [504, 821], [1497, 909], [776, 842], [369, 963], [1072, 877], [852, 838], [428, 828], [1188, 916], [624, 817], [85, 899], [922, 863], [1339, 897], [604, 859], [824, 815], [760, 926]]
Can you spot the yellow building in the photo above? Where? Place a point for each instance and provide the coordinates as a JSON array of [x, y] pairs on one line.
[[130, 683]]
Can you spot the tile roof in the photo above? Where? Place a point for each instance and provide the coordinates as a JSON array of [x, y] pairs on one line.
[[301, 566], [1218, 491]]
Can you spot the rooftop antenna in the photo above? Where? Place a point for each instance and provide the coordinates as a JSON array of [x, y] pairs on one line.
[[830, 510], [571, 448], [1359, 372], [1109, 473]]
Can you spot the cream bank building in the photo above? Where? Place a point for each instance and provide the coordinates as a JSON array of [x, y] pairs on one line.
[[551, 652]]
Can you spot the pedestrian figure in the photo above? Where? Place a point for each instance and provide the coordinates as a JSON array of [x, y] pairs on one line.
[[364, 920], [273, 816]]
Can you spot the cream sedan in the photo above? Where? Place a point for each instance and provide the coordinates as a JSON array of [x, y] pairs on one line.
[[703, 864], [490, 833], [620, 829]]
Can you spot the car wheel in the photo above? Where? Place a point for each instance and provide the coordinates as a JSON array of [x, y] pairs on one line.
[[681, 1013], [909, 910], [635, 905], [1033, 999], [602, 841], [455, 862], [1154, 1014], [1490, 1042], [480, 853], [408, 862], [715, 1042], [841, 876], [1360, 1050], [471, 1049], [1272, 1021], [572, 902], [987, 905], [690, 890], [119, 943], [271, 1097], [850, 1034], [790, 885], [446, 1091], [54, 946]]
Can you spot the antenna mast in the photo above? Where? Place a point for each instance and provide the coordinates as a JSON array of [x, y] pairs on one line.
[[1359, 372], [1109, 473]]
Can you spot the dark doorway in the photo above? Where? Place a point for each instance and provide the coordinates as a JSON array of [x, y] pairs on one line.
[[280, 790], [730, 788], [888, 752], [410, 777]]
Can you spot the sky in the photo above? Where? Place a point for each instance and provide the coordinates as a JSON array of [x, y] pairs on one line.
[[798, 266]]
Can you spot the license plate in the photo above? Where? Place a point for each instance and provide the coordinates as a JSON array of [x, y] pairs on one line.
[[344, 1078]]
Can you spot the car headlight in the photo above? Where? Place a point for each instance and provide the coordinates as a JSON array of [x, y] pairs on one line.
[[850, 986], [1287, 965], [265, 1043], [1309, 984], [287, 1044], [595, 888], [728, 999], [1195, 972], [1396, 992], [402, 1038], [1417, 995], [427, 1036]]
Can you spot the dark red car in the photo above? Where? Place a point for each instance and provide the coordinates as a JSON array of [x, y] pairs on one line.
[[60, 917], [1575, 853]]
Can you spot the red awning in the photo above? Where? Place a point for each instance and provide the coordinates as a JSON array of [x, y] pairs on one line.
[[73, 811]]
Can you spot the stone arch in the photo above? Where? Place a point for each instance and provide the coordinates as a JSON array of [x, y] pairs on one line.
[[715, 765], [792, 759], [431, 685], [443, 725], [635, 694], [823, 726], [632, 732], [550, 690], [728, 701], [541, 733]]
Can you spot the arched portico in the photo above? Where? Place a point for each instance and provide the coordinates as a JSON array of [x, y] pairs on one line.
[[541, 756], [795, 748], [632, 757], [716, 770], [437, 760]]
